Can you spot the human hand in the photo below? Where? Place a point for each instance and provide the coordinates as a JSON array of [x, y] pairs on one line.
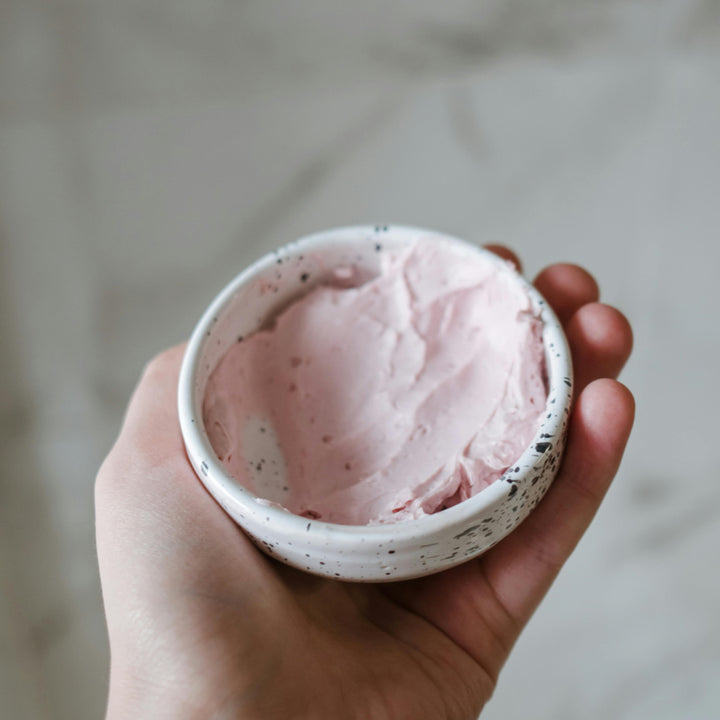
[[203, 625]]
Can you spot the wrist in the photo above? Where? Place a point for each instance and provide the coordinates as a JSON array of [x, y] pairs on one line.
[[139, 696], [136, 695]]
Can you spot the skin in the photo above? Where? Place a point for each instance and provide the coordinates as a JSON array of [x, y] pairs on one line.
[[203, 625]]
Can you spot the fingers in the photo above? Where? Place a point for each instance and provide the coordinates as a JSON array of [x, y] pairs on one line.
[[506, 254], [567, 288], [522, 567], [601, 340], [600, 337]]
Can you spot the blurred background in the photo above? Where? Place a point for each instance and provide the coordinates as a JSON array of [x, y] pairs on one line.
[[151, 149]]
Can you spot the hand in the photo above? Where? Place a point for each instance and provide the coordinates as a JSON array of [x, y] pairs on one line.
[[203, 625]]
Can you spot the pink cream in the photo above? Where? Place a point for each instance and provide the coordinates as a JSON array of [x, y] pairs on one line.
[[387, 401]]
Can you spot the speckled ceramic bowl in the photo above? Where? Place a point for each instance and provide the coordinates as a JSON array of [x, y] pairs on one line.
[[362, 553]]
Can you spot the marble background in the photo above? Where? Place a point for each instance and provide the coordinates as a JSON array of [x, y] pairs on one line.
[[149, 150]]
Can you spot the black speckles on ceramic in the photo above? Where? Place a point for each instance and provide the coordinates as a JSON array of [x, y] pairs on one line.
[[363, 553]]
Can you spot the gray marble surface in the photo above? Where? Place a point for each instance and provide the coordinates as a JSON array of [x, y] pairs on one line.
[[149, 150]]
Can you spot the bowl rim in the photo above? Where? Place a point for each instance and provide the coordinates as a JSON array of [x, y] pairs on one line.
[[208, 467]]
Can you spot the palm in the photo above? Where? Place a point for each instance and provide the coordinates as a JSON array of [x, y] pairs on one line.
[[254, 629], [194, 607], [331, 649]]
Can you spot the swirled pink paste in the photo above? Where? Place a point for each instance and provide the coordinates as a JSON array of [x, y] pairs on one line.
[[387, 401]]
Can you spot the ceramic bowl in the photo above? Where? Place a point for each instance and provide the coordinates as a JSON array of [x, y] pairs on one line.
[[386, 552]]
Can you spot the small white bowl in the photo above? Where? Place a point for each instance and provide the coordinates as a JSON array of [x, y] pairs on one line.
[[395, 551]]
